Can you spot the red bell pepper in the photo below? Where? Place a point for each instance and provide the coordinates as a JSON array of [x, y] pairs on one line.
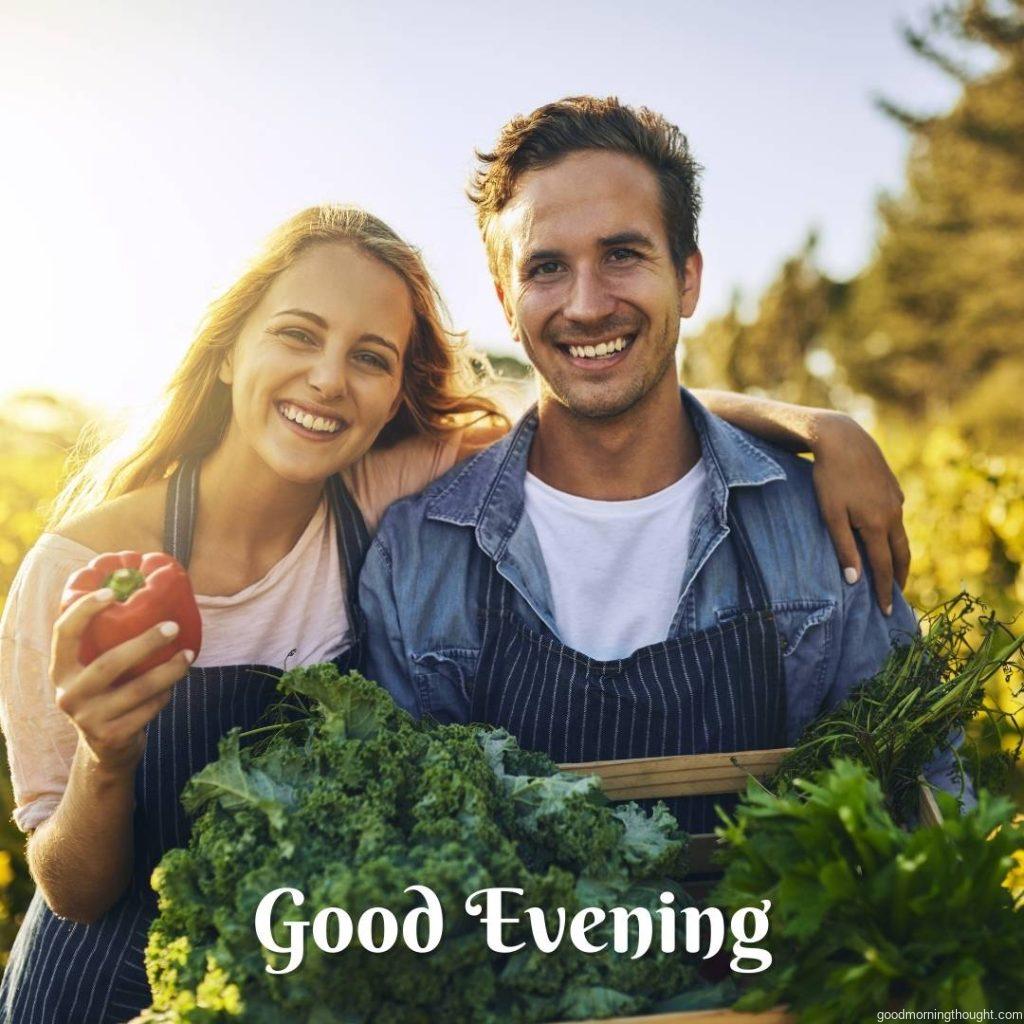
[[148, 589]]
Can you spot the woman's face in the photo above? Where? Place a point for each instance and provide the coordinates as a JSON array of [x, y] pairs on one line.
[[316, 372]]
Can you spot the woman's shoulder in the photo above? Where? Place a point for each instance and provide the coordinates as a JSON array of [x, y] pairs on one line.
[[131, 522], [384, 475]]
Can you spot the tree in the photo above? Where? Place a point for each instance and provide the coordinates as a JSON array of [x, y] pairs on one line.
[[937, 318], [785, 350]]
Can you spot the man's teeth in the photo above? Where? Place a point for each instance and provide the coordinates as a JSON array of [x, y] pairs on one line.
[[605, 348], [321, 424]]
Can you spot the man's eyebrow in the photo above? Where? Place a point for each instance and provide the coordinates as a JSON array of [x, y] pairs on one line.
[[318, 320], [538, 255], [637, 238]]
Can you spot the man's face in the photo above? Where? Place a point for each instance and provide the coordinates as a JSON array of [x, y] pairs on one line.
[[589, 286]]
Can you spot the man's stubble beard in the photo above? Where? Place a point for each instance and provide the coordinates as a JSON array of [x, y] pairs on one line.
[[635, 396]]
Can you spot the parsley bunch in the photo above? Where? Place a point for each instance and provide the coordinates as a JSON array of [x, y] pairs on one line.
[[867, 916]]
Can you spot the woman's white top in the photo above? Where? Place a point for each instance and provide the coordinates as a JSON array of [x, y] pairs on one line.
[[294, 615]]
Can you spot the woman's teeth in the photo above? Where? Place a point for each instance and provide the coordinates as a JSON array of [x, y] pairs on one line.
[[321, 424], [605, 349]]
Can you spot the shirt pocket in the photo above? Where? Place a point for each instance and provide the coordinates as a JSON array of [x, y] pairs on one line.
[[805, 633], [441, 680]]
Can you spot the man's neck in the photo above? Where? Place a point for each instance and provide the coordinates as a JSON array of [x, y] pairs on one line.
[[645, 450]]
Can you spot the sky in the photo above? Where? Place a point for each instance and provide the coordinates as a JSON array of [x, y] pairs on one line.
[[150, 146]]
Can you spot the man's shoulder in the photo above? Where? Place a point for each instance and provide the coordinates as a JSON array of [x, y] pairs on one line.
[[783, 514], [794, 485]]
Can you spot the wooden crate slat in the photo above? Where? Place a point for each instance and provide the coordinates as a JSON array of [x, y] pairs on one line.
[[680, 775], [778, 1015], [927, 806]]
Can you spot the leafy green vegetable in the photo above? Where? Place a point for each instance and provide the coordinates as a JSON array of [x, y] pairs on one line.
[[351, 802], [928, 689], [867, 916]]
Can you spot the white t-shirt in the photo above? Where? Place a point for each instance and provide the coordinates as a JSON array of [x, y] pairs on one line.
[[615, 567]]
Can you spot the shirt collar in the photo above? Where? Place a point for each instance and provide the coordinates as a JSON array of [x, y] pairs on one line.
[[487, 492]]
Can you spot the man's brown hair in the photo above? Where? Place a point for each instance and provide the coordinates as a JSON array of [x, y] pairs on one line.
[[586, 122]]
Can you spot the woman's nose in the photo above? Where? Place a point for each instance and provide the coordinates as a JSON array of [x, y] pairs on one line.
[[327, 376]]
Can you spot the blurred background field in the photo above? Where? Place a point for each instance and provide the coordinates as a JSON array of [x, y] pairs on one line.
[[925, 345]]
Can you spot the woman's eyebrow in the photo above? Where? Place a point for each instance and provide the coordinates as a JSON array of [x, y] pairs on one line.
[[376, 339], [318, 320]]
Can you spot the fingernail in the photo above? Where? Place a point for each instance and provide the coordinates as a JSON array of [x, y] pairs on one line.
[[190, 656], [104, 594], [850, 574], [168, 629], [887, 609]]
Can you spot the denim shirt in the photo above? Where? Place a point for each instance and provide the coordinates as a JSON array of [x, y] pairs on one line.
[[420, 583]]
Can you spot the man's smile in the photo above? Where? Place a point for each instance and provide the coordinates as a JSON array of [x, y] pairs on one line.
[[598, 354]]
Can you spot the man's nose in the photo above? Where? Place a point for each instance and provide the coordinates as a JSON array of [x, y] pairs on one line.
[[328, 375], [589, 298]]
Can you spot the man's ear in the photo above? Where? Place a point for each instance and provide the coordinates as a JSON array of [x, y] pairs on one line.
[[689, 283], [226, 372], [507, 308]]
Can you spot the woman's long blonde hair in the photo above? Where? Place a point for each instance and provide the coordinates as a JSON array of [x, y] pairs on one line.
[[444, 384]]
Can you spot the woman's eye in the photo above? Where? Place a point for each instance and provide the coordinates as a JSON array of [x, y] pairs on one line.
[[378, 362], [297, 334]]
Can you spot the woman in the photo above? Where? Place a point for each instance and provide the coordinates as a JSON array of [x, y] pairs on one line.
[[321, 387]]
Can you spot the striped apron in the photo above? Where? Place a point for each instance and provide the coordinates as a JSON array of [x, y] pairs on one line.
[[719, 689], [66, 973]]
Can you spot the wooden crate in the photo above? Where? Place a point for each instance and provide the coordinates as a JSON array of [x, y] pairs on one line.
[[687, 775], [703, 775]]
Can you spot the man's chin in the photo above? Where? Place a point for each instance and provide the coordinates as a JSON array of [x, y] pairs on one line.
[[596, 403]]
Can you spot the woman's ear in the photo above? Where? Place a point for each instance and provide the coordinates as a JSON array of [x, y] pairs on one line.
[[226, 373], [396, 405]]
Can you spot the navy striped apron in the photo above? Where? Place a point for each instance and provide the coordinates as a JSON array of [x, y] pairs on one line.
[[719, 689], [66, 973]]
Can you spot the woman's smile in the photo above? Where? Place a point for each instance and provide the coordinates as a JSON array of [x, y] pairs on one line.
[[311, 423]]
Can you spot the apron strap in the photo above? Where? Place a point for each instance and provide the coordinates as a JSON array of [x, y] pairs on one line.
[[353, 537], [353, 543], [180, 509]]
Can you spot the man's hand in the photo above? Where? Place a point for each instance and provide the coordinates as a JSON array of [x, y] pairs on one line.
[[858, 491]]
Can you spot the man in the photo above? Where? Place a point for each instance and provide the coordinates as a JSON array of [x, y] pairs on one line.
[[624, 575]]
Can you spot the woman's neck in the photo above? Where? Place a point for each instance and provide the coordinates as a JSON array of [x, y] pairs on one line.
[[248, 515]]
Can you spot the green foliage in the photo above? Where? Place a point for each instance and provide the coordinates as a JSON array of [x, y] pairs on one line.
[[784, 350], [930, 687], [35, 433], [351, 802], [866, 915]]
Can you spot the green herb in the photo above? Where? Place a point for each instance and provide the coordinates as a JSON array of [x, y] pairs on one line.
[[925, 693], [867, 916], [351, 802]]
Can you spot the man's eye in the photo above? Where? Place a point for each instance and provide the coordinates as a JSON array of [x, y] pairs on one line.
[[622, 255], [545, 269]]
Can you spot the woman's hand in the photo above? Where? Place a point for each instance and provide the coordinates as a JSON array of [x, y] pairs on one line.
[[111, 716], [857, 491]]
